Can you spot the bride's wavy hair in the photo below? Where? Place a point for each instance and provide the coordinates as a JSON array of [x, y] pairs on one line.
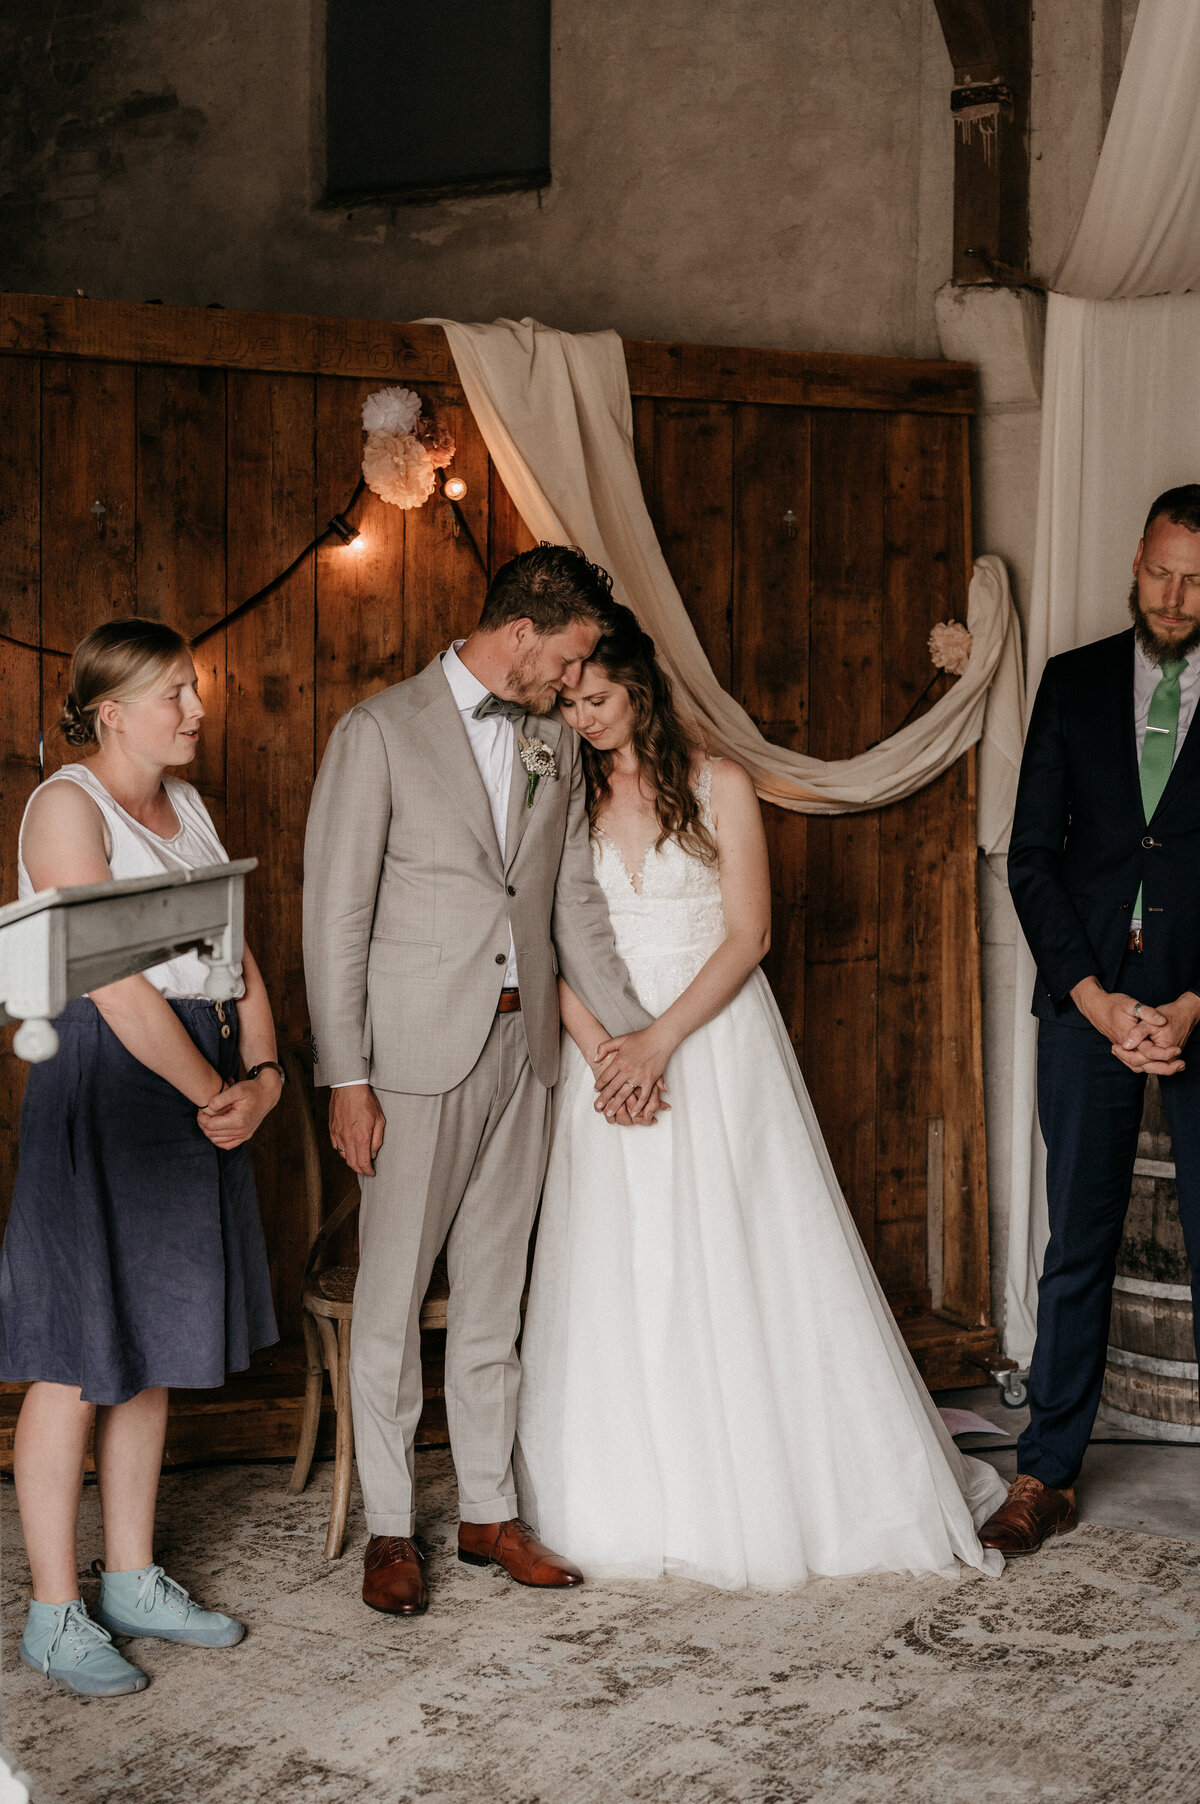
[[664, 753]]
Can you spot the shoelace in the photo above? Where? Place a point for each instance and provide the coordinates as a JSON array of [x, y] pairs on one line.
[[157, 1585], [81, 1634]]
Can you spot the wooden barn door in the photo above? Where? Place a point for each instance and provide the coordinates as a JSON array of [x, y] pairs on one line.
[[814, 548], [170, 461]]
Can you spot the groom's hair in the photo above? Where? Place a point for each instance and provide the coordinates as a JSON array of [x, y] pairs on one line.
[[552, 585]]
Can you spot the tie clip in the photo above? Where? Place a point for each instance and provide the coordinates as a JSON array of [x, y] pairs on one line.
[[1158, 730]]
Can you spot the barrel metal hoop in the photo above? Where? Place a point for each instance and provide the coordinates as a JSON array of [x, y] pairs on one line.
[[1151, 1287], [1149, 1426], [1161, 1368], [1154, 1168]]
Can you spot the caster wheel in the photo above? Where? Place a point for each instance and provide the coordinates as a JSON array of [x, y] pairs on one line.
[[1013, 1392]]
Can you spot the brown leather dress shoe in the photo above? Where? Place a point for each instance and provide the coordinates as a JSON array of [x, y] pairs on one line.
[[514, 1546], [1031, 1512], [393, 1579]]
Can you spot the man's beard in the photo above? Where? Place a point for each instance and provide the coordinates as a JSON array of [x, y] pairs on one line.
[[522, 685], [1159, 651]]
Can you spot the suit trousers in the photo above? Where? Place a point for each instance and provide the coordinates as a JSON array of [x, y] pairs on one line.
[[463, 1168], [1090, 1108]]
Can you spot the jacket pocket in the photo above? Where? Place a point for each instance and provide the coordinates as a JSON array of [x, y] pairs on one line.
[[403, 958]]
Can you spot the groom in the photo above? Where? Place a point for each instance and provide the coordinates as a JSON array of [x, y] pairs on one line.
[[448, 878], [1104, 869]]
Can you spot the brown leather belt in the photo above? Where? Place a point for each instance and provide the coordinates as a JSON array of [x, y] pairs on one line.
[[509, 1003], [1135, 943]]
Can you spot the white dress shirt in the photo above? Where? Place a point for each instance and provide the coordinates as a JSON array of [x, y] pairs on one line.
[[492, 742], [1146, 677]]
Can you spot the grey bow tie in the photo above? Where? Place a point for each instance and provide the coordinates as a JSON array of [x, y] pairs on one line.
[[495, 704]]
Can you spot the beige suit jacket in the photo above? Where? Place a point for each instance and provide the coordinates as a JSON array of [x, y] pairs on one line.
[[407, 902]]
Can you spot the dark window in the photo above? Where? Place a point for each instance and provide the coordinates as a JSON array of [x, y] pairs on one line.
[[423, 100]]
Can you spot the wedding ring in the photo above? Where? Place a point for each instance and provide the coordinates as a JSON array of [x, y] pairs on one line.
[[1137, 1011]]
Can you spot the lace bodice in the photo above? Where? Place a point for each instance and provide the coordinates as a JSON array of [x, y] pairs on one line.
[[670, 925]]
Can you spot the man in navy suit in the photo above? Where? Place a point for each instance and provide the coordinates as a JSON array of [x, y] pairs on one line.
[[1104, 870]]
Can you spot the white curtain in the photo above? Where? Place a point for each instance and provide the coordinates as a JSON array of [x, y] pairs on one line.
[[1120, 423], [555, 413]]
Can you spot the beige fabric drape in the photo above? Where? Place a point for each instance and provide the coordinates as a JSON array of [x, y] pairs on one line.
[[555, 412], [1139, 232], [1120, 406]]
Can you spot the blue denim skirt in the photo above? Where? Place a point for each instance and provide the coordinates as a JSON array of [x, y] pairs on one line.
[[134, 1253]]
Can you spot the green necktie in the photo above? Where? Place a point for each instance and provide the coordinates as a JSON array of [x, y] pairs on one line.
[[1158, 751]]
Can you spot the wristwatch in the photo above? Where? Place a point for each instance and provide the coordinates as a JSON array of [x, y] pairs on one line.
[[268, 1065]]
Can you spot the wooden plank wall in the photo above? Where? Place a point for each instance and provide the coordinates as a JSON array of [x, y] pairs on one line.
[[211, 481], [814, 545], [814, 549]]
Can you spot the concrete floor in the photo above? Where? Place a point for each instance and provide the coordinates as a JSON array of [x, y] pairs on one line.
[[1125, 1483]]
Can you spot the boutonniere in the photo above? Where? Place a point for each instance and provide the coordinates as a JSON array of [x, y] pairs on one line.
[[538, 760]]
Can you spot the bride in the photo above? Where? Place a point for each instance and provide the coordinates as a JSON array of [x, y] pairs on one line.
[[713, 1384]]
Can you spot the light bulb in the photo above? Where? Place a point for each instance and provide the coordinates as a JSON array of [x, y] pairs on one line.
[[454, 488]]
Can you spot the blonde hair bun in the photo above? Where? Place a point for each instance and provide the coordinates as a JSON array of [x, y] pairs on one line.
[[115, 662]]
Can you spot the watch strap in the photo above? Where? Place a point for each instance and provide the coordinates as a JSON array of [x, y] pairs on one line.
[[267, 1065]]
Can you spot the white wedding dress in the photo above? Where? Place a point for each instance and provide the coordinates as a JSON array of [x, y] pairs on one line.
[[713, 1384]]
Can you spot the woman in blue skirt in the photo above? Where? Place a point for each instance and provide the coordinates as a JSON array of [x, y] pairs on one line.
[[134, 1256]]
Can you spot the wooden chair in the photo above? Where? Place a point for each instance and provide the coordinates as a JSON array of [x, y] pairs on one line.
[[327, 1310]]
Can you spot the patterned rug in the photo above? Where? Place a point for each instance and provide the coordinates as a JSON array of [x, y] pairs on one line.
[[1075, 1678]]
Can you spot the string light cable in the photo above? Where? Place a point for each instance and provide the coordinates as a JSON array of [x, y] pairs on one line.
[[340, 527]]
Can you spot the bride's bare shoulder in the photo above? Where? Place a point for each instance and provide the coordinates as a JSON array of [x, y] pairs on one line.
[[732, 783]]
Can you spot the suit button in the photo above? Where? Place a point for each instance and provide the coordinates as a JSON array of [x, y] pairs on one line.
[[511, 890], [1147, 841], [501, 958]]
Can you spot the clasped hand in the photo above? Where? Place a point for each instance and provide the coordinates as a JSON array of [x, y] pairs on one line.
[[628, 1071], [233, 1115], [1145, 1039]]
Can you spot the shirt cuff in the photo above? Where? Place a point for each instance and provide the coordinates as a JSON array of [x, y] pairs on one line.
[[350, 1083]]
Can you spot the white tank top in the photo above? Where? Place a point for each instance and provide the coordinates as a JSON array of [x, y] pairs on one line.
[[137, 852]]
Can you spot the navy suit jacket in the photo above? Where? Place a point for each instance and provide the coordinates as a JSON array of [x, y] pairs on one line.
[[1081, 843]]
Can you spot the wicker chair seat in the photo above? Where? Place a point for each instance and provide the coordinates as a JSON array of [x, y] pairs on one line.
[[331, 1292]]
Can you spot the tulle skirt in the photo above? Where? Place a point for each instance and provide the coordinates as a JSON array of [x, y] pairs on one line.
[[714, 1385]]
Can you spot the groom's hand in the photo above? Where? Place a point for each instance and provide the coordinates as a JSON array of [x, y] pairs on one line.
[[356, 1124], [621, 1116]]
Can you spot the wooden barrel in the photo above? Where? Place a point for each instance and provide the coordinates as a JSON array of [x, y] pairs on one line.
[[1150, 1378]]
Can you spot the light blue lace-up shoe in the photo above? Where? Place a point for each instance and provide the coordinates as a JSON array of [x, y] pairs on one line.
[[62, 1641], [147, 1602]]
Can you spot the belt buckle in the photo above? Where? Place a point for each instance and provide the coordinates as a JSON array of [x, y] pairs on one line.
[[1135, 942]]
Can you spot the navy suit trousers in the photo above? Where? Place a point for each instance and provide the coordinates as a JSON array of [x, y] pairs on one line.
[[1090, 1108]]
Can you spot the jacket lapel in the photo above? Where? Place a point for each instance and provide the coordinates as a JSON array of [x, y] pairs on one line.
[[532, 727], [1124, 733], [438, 734]]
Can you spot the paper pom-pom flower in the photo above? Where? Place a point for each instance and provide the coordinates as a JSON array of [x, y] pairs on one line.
[[404, 447], [437, 439], [950, 645], [391, 410], [396, 467]]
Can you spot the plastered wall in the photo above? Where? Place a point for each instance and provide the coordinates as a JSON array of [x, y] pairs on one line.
[[771, 172]]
